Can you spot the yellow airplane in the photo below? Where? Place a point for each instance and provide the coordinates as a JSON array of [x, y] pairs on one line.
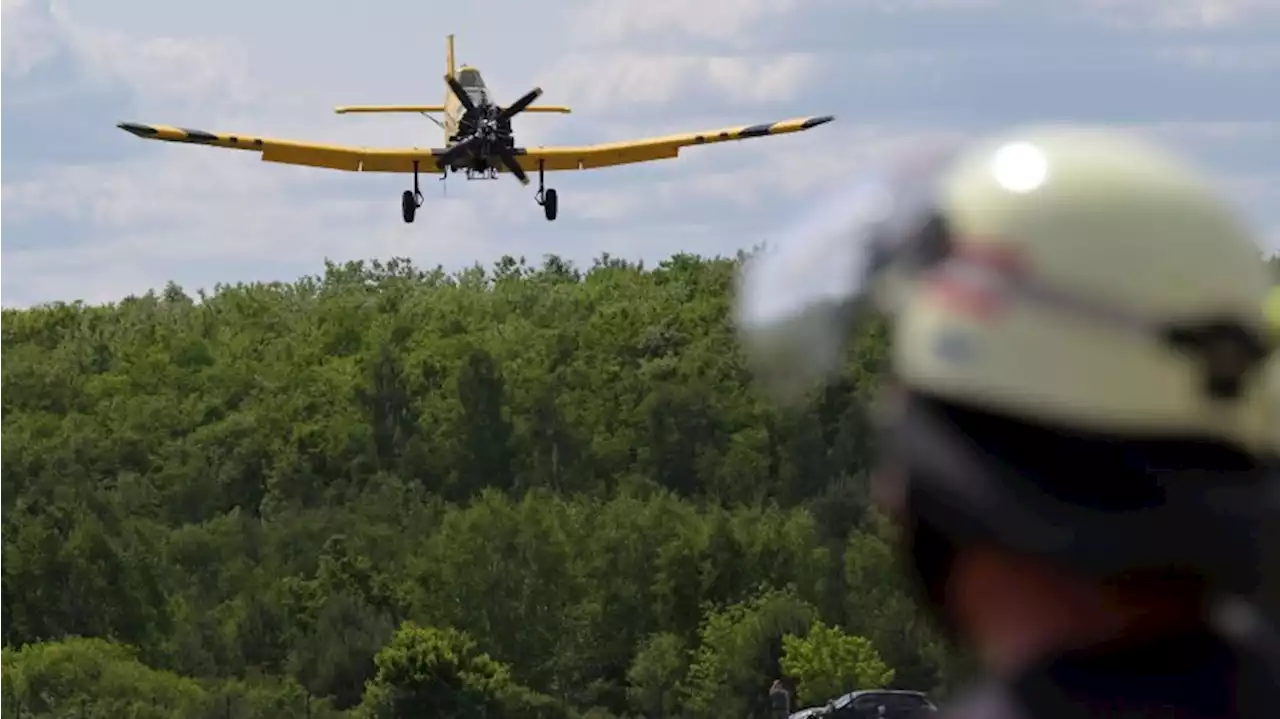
[[478, 141]]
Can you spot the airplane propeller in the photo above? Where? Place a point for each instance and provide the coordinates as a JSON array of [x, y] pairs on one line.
[[489, 132], [460, 92]]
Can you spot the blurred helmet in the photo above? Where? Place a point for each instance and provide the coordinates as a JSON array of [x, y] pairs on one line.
[[1079, 347]]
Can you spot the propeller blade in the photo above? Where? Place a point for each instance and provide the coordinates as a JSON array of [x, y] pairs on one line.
[[513, 165], [458, 150], [461, 92], [519, 105]]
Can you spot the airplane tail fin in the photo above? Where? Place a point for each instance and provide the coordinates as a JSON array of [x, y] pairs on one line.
[[451, 70], [449, 67]]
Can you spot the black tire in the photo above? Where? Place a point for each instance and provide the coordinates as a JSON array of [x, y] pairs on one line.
[[550, 204], [408, 205]]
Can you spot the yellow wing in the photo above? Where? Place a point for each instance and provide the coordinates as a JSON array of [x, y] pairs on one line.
[[293, 152], [371, 159], [589, 157], [346, 109]]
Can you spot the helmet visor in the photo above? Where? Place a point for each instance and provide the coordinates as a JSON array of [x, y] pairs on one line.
[[801, 297]]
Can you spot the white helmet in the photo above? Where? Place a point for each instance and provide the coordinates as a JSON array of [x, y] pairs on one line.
[[1109, 248], [1079, 338]]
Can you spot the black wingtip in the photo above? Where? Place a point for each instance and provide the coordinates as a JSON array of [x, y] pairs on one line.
[[820, 120], [136, 129]]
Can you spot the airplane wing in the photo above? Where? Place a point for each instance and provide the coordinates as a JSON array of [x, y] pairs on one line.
[[293, 152], [346, 109], [373, 159], [589, 157]]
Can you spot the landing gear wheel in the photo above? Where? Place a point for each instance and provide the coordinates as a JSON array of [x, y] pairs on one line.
[[550, 203], [408, 205], [545, 195]]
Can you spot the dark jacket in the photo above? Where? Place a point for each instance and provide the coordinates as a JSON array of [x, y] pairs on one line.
[[1196, 675]]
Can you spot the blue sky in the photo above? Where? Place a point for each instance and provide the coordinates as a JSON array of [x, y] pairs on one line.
[[93, 213]]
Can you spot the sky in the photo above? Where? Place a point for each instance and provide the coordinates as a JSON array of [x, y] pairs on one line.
[[92, 213]]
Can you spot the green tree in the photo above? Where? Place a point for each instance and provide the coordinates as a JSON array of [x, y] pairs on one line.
[[740, 651], [828, 663], [426, 671], [255, 484], [654, 677], [93, 678]]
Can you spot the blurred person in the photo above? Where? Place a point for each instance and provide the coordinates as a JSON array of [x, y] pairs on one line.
[[1079, 436], [779, 699]]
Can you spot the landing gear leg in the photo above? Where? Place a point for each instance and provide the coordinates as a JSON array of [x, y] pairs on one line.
[[546, 196], [411, 200]]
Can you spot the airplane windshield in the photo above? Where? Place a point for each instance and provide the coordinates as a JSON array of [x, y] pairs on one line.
[[470, 79]]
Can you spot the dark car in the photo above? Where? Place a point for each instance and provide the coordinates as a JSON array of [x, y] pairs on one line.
[[881, 703]]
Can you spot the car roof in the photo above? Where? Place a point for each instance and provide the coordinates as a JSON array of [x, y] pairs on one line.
[[852, 696]]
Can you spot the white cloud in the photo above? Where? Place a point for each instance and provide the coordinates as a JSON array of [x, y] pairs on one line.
[[100, 229], [176, 69], [1231, 57], [608, 21], [895, 7], [734, 22], [1184, 14], [190, 216], [619, 80], [36, 32], [29, 35], [769, 79]]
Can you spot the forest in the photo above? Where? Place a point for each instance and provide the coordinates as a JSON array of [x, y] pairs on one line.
[[527, 490]]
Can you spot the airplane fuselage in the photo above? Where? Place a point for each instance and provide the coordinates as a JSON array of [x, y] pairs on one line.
[[453, 112], [459, 123]]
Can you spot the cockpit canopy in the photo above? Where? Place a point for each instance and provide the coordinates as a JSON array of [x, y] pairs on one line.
[[470, 79]]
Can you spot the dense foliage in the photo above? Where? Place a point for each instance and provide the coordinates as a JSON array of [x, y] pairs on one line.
[[393, 492]]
